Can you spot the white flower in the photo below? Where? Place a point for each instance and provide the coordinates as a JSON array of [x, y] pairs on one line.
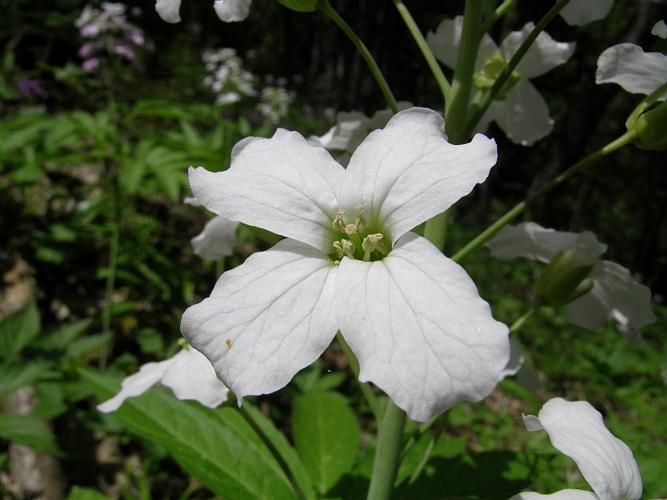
[[578, 12], [615, 294], [659, 29], [577, 430], [633, 69], [188, 374], [227, 10], [522, 113], [216, 240], [412, 316], [275, 102]]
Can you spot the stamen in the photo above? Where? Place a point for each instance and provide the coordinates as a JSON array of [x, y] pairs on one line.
[[344, 248], [361, 218], [184, 344], [371, 243], [351, 229], [339, 222]]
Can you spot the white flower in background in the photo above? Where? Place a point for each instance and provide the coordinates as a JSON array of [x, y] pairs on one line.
[[227, 10], [275, 102], [659, 29], [579, 12], [351, 129], [521, 112], [577, 430], [218, 237], [226, 77], [627, 65], [188, 374], [615, 295], [413, 317]]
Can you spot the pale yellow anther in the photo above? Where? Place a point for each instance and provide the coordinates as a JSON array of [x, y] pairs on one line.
[[339, 222], [344, 248], [371, 243], [228, 343], [351, 229], [361, 218]]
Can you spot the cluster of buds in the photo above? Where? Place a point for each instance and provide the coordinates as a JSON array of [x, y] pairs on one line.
[[227, 78], [107, 32]]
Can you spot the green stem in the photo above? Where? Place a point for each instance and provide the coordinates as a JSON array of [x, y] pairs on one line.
[[500, 11], [511, 66], [416, 33], [112, 265], [457, 109], [515, 211], [387, 453], [326, 7], [518, 324], [435, 230], [366, 390]]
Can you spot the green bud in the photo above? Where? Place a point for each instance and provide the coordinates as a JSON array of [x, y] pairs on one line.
[[649, 122], [301, 5], [492, 69], [564, 279]]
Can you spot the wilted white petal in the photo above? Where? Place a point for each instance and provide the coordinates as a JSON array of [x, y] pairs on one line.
[[420, 330], [191, 376], [559, 495], [445, 41], [135, 385], [532, 241], [659, 29], [615, 296], [523, 114], [544, 55], [577, 430], [282, 184], [266, 319], [633, 69], [168, 10], [578, 12], [407, 172], [231, 11], [216, 240]]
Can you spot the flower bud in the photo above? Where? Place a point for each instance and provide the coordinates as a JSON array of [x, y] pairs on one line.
[[649, 122], [565, 278], [301, 5]]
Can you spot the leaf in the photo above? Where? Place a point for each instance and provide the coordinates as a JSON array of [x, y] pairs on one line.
[[87, 345], [29, 431], [217, 446], [326, 433], [81, 493], [18, 330], [13, 377], [64, 335]]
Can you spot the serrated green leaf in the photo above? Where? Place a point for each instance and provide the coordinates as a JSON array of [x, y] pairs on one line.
[[326, 433], [217, 446], [18, 330], [28, 431]]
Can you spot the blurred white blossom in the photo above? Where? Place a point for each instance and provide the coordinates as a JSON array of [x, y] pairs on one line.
[[226, 77], [227, 10], [274, 103], [579, 12]]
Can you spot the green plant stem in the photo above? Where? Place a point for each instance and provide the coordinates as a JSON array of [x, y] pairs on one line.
[[519, 322], [366, 390], [457, 106], [416, 33], [114, 242], [326, 7], [387, 453], [511, 66], [500, 11], [515, 211]]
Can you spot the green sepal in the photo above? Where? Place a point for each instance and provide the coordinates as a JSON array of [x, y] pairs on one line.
[[564, 279], [649, 122]]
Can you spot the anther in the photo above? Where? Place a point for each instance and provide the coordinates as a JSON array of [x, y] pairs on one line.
[[371, 242], [339, 222], [351, 229], [344, 248]]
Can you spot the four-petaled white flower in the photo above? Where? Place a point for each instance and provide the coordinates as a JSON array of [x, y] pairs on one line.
[[228, 11], [188, 374], [413, 317], [522, 112], [614, 295], [576, 429], [579, 12]]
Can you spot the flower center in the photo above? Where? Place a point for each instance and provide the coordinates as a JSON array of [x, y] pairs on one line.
[[492, 69], [357, 238]]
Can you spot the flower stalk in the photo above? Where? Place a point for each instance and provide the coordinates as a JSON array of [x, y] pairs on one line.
[[387, 453]]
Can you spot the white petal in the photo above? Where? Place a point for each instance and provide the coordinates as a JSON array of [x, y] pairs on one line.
[[615, 295], [523, 114], [347, 134], [420, 330], [577, 430], [659, 29], [216, 240], [191, 376], [407, 172], [282, 184], [578, 12], [559, 495], [231, 11], [266, 319], [532, 241], [445, 41], [544, 55], [516, 359], [168, 10], [633, 69], [135, 385]]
